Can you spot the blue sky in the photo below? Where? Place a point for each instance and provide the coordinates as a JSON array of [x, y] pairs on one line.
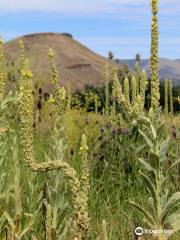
[[122, 26]]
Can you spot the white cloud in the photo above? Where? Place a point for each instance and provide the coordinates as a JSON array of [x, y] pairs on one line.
[[87, 6]]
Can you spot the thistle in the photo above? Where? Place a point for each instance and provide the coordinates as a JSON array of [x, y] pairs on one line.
[[2, 83], [166, 96], [155, 95]]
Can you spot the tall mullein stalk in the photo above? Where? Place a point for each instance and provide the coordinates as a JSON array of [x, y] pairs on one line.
[[126, 89], [58, 92], [171, 96], [48, 224], [118, 93], [69, 96], [142, 86], [22, 57], [154, 62], [78, 187], [166, 97], [137, 72], [113, 106], [83, 231], [133, 90], [96, 103], [26, 116], [1, 72], [107, 79]]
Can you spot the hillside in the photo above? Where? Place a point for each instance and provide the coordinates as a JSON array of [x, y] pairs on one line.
[[75, 63], [167, 68]]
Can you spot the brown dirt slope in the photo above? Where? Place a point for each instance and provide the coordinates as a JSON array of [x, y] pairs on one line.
[[75, 63]]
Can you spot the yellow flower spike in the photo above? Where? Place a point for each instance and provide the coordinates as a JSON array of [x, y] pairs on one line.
[[143, 85], [79, 188], [107, 78], [51, 100], [166, 96], [154, 60], [62, 93], [83, 219], [171, 96], [84, 146], [126, 88], [23, 61], [51, 53], [27, 74], [117, 91], [21, 45], [59, 93], [155, 7], [48, 220], [133, 90]]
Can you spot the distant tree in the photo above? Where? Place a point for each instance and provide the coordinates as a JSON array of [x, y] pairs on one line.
[[110, 55]]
